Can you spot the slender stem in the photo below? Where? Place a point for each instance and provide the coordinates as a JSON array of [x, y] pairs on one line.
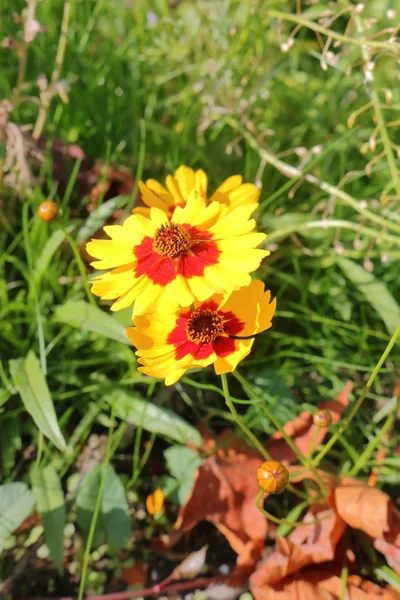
[[330, 33], [332, 223], [312, 445], [386, 142], [295, 173], [373, 444], [240, 422], [33, 289], [97, 508], [46, 97], [283, 521], [40, 448], [81, 266], [140, 165], [249, 434], [359, 402], [252, 393]]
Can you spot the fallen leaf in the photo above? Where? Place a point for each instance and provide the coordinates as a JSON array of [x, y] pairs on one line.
[[309, 544], [191, 566], [321, 583], [224, 493], [136, 575], [391, 551], [366, 508], [302, 429]]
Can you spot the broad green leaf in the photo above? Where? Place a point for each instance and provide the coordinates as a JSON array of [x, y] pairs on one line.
[[182, 463], [46, 486], [114, 519], [16, 504], [32, 387], [130, 407], [84, 316], [374, 291], [99, 216]]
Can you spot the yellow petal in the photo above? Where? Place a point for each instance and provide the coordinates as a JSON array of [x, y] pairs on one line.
[[186, 180]]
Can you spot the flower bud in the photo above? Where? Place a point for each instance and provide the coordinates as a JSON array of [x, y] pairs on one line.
[[48, 211], [272, 477], [322, 418]]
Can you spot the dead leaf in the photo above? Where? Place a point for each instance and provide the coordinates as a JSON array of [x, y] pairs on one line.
[[310, 544], [391, 551], [191, 566], [302, 429], [366, 508], [224, 493], [136, 575], [321, 583]]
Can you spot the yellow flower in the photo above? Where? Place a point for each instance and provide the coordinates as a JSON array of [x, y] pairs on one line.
[[231, 193], [197, 253], [212, 332]]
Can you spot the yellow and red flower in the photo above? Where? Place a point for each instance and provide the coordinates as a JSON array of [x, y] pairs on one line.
[[217, 331], [231, 193], [176, 261]]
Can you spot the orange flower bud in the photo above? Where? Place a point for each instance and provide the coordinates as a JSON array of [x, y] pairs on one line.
[[272, 477], [155, 502], [48, 211], [322, 418]]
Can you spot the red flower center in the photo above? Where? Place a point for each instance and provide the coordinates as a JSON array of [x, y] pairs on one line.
[[172, 240], [204, 326]]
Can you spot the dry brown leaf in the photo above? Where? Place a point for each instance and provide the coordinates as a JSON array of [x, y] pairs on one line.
[[224, 492], [301, 429], [321, 583], [310, 544], [136, 575], [357, 589], [191, 566], [391, 551], [366, 508]]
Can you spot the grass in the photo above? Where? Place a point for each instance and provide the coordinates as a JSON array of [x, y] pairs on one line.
[[207, 84]]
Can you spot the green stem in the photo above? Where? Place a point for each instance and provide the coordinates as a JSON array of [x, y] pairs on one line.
[[373, 444], [249, 434], [140, 165], [33, 289], [329, 32], [240, 422], [359, 402], [282, 521], [295, 173], [81, 265], [386, 142], [312, 446], [97, 508], [252, 393]]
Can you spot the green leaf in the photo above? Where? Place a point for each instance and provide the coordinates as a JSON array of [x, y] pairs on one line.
[[182, 463], [84, 316], [46, 486], [374, 291], [99, 216], [114, 519], [32, 387], [47, 253], [10, 442], [16, 504], [130, 407]]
